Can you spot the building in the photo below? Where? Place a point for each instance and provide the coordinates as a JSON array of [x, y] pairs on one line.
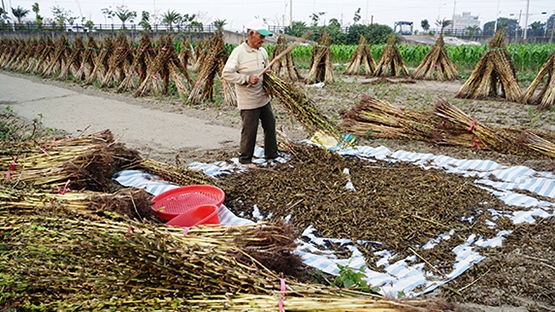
[[461, 22]]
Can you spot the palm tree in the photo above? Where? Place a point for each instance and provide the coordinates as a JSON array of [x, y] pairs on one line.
[[19, 13], [36, 10], [170, 18], [219, 24], [124, 14], [473, 30], [443, 23]]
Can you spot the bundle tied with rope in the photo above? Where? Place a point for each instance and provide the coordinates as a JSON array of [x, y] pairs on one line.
[[300, 106], [494, 74], [436, 64], [362, 55], [546, 97], [391, 62]]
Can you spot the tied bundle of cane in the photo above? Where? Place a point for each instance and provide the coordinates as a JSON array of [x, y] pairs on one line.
[[101, 61], [211, 66], [144, 54], [285, 66], [546, 98], [436, 64], [173, 173], [362, 55], [118, 62], [104, 264], [372, 117], [87, 60], [84, 162], [17, 50], [320, 64], [185, 53], [74, 60], [45, 56], [132, 203], [200, 53], [300, 106], [5, 49], [483, 136], [61, 53], [35, 55], [494, 74], [536, 143], [27, 51], [164, 67], [391, 63]]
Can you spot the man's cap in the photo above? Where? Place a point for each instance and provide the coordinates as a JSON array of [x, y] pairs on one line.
[[259, 26]]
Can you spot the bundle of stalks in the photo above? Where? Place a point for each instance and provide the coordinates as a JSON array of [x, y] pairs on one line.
[[26, 54], [84, 162], [537, 143], [164, 67], [285, 66], [61, 53], [105, 264], [362, 55], [11, 48], [101, 61], [380, 119], [87, 60], [484, 136], [74, 60], [300, 106], [200, 53], [494, 74], [436, 64], [17, 49], [34, 56], [320, 64], [44, 57], [173, 173], [129, 202], [185, 54], [212, 65], [391, 63], [143, 56], [5, 48], [546, 98], [118, 61]]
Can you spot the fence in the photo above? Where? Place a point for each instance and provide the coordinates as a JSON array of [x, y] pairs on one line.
[[75, 27]]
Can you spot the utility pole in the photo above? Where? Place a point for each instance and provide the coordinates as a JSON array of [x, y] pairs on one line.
[[517, 26], [453, 19], [526, 21]]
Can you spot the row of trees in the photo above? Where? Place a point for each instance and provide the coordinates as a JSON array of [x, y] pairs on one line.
[[511, 26]]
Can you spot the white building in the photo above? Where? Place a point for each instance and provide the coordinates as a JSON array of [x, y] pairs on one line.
[[461, 22]]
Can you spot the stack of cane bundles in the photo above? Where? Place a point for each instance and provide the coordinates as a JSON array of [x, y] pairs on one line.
[[320, 64], [436, 64], [546, 97], [119, 61], [144, 54], [494, 74], [362, 55], [391, 63], [285, 66]]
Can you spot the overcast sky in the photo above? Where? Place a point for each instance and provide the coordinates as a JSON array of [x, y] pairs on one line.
[[238, 13]]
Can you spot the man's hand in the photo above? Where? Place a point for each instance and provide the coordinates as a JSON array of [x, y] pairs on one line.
[[253, 79]]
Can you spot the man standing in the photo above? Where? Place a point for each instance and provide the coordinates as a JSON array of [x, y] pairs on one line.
[[243, 67]]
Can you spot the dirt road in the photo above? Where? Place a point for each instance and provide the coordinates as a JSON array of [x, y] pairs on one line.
[[76, 109]]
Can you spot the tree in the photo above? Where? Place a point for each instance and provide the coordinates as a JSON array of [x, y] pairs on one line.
[[473, 30], [61, 15], [145, 21], [380, 33], [38, 17], [537, 28], [297, 29], [108, 13], [336, 32], [509, 24], [19, 13], [357, 16], [425, 25], [442, 24], [125, 15], [89, 25], [219, 24], [315, 17], [170, 18], [3, 15]]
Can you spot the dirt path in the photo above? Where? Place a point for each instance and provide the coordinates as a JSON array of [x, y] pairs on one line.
[[153, 132]]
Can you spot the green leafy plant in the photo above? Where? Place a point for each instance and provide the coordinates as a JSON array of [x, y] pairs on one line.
[[352, 278]]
